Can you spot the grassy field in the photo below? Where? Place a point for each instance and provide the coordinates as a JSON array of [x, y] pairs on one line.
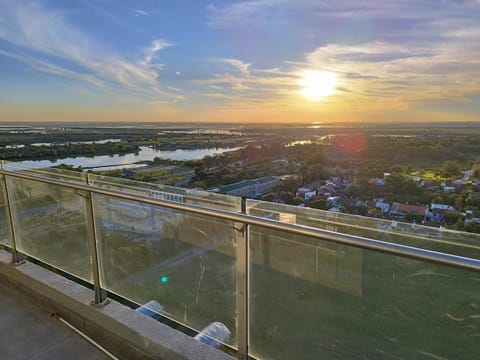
[[430, 175]]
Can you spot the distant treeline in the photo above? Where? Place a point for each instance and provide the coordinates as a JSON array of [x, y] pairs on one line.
[[66, 150]]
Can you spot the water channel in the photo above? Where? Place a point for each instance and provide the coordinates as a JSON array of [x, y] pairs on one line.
[[127, 160]]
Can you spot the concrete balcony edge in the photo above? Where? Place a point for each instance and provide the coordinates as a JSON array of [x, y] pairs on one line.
[[125, 332]]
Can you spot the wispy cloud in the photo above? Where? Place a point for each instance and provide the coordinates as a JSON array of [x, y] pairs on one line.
[[244, 12], [234, 64], [53, 45], [49, 68], [236, 82], [150, 53], [274, 11], [137, 12]]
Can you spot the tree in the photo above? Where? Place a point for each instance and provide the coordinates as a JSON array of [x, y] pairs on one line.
[[472, 227], [343, 209], [458, 202], [268, 197], [297, 200], [352, 191], [413, 218], [452, 217], [287, 197], [362, 210], [157, 160], [314, 172], [476, 170], [459, 225], [438, 200], [451, 168], [318, 204], [375, 213]]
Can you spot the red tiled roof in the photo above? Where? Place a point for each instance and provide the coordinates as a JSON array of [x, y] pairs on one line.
[[409, 209]]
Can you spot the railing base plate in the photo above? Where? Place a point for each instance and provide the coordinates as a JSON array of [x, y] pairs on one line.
[[101, 304]]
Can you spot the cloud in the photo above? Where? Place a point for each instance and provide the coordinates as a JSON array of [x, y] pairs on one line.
[[244, 12], [234, 64], [409, 71], [152, 50], [262, 12], [49, 68], [55, 46], [238, 82], [137, 12]]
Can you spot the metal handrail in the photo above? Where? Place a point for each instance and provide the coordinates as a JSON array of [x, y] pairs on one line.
[[325, 235]]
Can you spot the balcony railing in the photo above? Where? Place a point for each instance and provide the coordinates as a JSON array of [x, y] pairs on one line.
[[288, 282]]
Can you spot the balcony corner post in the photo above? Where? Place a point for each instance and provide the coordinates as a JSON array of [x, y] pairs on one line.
[[242, 290], [17, 259], [100, 299]]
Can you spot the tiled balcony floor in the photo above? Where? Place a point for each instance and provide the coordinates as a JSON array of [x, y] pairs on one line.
[[29, 332]]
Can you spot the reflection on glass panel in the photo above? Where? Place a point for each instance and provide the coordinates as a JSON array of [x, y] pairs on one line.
[[311, 299], [437, 239], [170, 193], [4, 236], [186, 263], [61, 174], [50, 225], [49, 172]]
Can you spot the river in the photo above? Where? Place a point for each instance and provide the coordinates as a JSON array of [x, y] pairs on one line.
[[123, 161]]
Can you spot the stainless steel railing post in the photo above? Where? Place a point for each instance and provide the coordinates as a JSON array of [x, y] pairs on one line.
[[242, 290], [100, 299], [16, 259]]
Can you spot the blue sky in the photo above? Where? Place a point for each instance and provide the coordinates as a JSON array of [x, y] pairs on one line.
[[239, 60]]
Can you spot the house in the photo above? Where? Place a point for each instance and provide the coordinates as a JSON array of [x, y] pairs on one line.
[[301, 191], [400, 210], [449, 188], [333, 201], [382, 206], [436, 213], [434, 206], [430, 184], [328, 189], [309, 195], [306, 193], [379, 182]]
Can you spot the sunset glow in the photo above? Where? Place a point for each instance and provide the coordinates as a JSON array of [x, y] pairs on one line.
[[317, 84]]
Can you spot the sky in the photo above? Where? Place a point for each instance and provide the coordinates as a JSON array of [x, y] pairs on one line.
[[240, 61]]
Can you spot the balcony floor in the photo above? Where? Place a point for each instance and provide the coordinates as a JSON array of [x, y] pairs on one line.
[[29, 332]]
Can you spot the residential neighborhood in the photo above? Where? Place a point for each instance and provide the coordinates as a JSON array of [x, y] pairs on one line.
[[449, 205]]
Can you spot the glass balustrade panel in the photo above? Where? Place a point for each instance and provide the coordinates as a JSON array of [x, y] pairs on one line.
[[312, 299], [50, 225], [4, 234], [394, 231], [184, 263], [61, 173], [169, 193]]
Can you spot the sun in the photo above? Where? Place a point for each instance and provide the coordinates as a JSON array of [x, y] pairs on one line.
[[317, 84]]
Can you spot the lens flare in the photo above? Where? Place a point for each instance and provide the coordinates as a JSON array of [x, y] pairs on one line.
[[317, 84]]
